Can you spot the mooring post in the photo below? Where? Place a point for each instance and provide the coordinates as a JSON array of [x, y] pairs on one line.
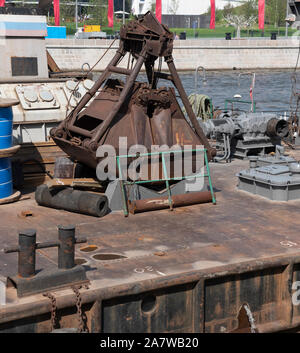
[[27, 252], [66, 248], [27, 281]]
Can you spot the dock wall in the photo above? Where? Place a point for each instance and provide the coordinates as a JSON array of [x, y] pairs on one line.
[[213, 54]]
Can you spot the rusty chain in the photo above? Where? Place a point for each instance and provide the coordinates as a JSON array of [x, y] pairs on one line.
[[81, 316], [53, 309], [250, 318]]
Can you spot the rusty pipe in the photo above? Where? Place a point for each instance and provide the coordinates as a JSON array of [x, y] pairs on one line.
[[160, 203], [45, 245], [71, 200]]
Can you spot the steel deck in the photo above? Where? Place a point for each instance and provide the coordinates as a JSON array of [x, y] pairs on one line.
[[189, 270]]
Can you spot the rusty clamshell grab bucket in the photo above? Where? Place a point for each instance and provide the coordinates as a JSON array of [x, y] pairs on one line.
[[143, 112]]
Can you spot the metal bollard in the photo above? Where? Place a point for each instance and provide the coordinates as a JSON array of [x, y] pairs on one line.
[[27, 249], [253, 162], [28, 246], [66, 248], [27, 281]]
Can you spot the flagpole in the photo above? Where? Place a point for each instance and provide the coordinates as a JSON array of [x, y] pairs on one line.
[[123, 12], [76, 14], [287, 14]]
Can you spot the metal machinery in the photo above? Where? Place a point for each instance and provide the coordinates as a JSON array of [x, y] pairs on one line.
[[146, 114], [29, 74], [293, 13], [275, 177], [245, 134], [25, 74]]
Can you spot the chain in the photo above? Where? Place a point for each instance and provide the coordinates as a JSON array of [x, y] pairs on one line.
[[81, 317], [250, 318], [53, 309]]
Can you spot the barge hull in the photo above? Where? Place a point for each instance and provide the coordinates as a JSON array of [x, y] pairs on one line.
[[190, 270], [195, 302]]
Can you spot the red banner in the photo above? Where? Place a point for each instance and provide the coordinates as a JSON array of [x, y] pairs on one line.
[[212, 14], [2, 3], [158, 10], [110, 13], [56, 12], [261, 14]]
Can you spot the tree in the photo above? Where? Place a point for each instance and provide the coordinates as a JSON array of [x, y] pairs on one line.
[[173, 6], [249, 8], [244, 16], [66, 11], [240, 21], [228, 10], [219, 14], [275, 12], [99, 12], [153, 8]]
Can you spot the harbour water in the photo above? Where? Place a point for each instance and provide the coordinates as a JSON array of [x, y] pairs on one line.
[[272, 92]]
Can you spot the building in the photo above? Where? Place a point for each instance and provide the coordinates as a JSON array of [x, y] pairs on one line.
[[179, 7], [140, 7], [189, 7], [181, 13]]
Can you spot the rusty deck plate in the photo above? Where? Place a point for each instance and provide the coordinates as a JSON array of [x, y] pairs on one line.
[[197, 264]]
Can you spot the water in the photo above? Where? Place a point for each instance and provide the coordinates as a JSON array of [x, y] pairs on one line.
[[272, 92]]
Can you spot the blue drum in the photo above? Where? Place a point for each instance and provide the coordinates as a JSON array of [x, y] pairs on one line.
[[6, 139], [6, 127], [6, 184]]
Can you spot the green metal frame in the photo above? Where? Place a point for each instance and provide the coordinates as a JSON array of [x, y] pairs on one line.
[[166, 179], [239, 101]]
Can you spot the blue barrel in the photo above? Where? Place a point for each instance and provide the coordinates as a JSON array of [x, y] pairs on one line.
[[6, 139], [6, 184], [6, 127]]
